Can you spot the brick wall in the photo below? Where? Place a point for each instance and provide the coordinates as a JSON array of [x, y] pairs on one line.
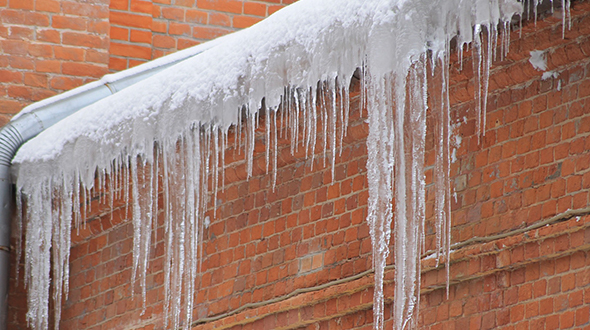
[[144, 30], [51, 46], [47, 47], [299, 256]]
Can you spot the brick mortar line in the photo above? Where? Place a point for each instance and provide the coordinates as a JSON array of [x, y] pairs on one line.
[[557, 218], [510, 267], [130, 28], [310, 290], [129, 43], [358, 308], [130, 12], [366, 274]]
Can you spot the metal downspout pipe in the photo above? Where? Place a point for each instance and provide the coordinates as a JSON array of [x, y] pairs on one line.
[[37, 117]]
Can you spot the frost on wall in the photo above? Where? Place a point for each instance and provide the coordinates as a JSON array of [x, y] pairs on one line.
[[300, 60]]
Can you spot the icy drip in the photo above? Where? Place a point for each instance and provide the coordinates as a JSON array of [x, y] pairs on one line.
[[185, 177], [442, 131], [180, 129], [380, 161]]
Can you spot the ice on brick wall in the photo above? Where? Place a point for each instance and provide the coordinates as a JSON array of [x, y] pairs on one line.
[[296, 66]]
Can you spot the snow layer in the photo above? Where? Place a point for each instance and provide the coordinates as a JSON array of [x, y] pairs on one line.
[[176, 123]]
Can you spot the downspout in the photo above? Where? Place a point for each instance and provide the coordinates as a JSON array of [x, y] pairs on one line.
[[37, 117]]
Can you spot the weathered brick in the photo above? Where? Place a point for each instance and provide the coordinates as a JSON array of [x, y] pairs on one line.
[[131, 20], [140, 36], [130, 50], [244, 21], [82, 69], [231, 6]]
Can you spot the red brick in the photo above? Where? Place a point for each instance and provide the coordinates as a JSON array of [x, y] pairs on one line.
[[208, 33], [99, 27], [118, 33], [47, 5], [219, 19], [244, 21], [254, 8], [273, 9], [185, 3], [196, 16], [35, 79], [83, 69], [173, 13], [48, 36], [69, 53], [12, 16], [179, 29], [140, 36], [36, 19], [22, 4], [131, 20], [48, 66], [20, 32], [8, 76], [230, 6], [119, 4], [10, 106], [84, 40], [95, 10], [14, 47], [159, 26], [582, 315], [21, 92], [68, 22], [130, 50], [139, 6], [117, 63], [163, 41]]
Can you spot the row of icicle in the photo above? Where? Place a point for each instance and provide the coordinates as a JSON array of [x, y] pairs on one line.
[[182, 168]]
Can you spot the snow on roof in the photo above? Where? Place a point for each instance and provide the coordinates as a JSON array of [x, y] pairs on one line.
[[308, 42]]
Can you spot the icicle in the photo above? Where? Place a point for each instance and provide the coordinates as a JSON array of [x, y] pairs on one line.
[[332, 88], [342, 118], [216, 166], [442, 169], [294, 122], [267, 140], [415, 197], [275, 151], [311, 102], [251, 135], [143, 197], [566, 16], [126, 184], [37, 249], [76, 202], [224, 143], [238, 130], [286, 107], [380, 162], [61, 221]]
